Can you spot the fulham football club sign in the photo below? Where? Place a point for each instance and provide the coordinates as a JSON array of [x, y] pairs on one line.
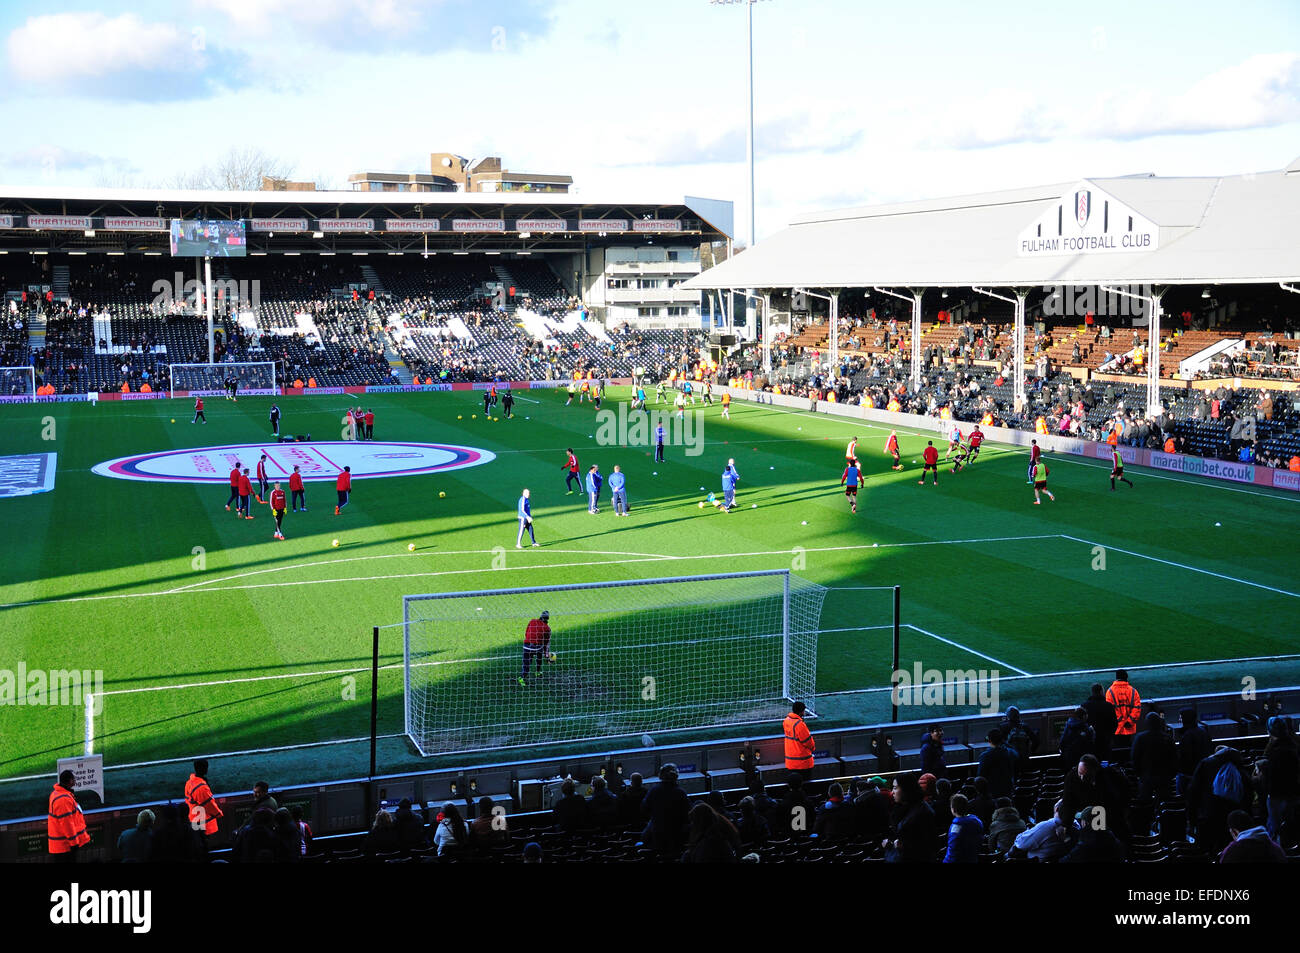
[[1087, 221]]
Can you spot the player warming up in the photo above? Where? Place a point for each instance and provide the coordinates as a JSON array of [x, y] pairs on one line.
[[261, 479], [296, 488], [344, 487], [234, 487], [1117, 468], [277, 510], [726, 406], [525, 512], [851, 452], [275, 420], [537, 644], [571, 465], [198, 411], [852, 476], [954, 440], [931, 458], [976, 438], [1040, 483], [1035, 451], [891, 447]]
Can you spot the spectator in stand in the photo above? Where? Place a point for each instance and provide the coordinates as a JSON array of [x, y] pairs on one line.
[[571, 809], [382, 837], [602, 806], [795, 811], [753, 828], [452, 835], [965, 833], [1049, 839], [1194, 746], [834, 816], [174, 840], [288, 837], [1218, 787], [1250, 843], [1101, 716], [262, 800], [932, 752], [711, 838], [1094, 785], [665, 809], [304, 828], [1077, 739], [1018, 737], [1154, 757], [1006, 826], [982, 804], [135, 842], [630, 800], [911, 829], [1095, 842], [1281, 774], [257, 842], [871, 805], [489, 827], [998, 766], [409, 824]]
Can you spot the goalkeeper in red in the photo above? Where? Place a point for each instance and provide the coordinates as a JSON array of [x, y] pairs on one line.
[[537, 644], [278, 504]]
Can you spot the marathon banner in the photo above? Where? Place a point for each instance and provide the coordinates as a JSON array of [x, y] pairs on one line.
[[6, 221], [657, 225], [541, 225], [123, 223], [153, 395], [71, 222], [478, 224], [345, 224], [45, 399], [405, 388], [602, 225], [277, 225], [222, 392], [412, 225]]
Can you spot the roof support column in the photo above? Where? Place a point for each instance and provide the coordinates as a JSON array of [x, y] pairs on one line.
[[1154, 311], [765, 328], [1018, 344], [834, 300], [915, 298]]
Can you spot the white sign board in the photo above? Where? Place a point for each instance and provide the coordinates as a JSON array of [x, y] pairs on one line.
[[88, 770], [1087, 221]]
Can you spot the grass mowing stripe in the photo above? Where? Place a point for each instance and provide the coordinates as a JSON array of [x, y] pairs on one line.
[[1167, 562]]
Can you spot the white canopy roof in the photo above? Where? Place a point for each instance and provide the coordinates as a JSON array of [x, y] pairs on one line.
[[1242, 229]]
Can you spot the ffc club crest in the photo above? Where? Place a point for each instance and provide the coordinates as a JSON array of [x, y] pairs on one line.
[[1082, 207]]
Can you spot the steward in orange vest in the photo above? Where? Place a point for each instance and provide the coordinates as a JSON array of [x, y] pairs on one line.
[[198, 798], [66, 825], [799, 744], [1128, 707]]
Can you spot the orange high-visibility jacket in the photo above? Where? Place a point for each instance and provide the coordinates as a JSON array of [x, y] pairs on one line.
[[203, 806], [66, 825], [799, 744]]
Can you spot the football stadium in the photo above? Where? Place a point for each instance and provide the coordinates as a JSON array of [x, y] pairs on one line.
[[955, 529]]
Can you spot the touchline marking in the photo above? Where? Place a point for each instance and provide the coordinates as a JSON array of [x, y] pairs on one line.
[[210, 585], [967, 648], [1217, 575]]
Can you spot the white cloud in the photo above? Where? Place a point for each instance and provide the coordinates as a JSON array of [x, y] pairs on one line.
[[64, 47]]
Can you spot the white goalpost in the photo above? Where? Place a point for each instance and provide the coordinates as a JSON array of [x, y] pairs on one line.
[[18, 381], [211, 380], [631, 657]]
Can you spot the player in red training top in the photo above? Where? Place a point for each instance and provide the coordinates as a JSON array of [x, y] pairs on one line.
[[234, 487], [198, 411], [296, 487], [1035, 452], [344, 486], [931, 457], [571, 464], [262, 481], [278, 504], [891, 447], [976, 438], [537, 644]]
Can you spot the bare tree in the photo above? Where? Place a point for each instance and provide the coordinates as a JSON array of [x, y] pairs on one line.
[[239, 170]]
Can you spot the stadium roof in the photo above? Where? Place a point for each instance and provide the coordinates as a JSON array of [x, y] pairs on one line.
[[1128, 230]]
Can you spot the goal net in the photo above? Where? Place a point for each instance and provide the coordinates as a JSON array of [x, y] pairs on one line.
[[633, 657], [18, 381], [212, 380]]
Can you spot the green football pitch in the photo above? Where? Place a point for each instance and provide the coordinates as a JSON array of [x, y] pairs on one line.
[[215, 639]]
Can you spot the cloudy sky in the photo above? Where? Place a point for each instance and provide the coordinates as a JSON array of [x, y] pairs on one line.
[[857, 101]]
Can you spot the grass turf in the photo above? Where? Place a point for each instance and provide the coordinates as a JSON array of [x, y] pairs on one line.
[[103, 574]]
